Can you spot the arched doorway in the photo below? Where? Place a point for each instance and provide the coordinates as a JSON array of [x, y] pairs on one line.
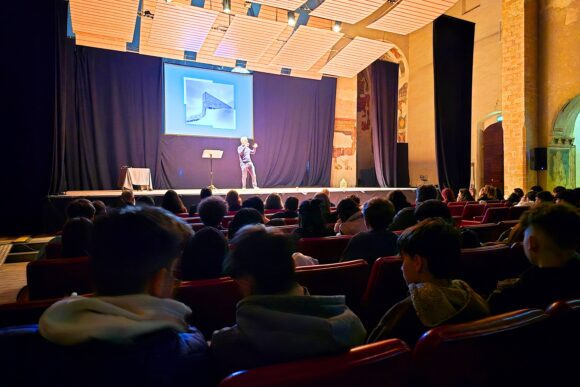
[[563, 161], [493, 155]]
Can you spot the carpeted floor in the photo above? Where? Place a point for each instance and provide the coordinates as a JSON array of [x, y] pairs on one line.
[[12, 279]]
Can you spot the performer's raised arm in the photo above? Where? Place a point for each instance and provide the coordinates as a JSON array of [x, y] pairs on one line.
[[254, 148]]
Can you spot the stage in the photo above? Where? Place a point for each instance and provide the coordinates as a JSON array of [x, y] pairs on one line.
[[55, 204]]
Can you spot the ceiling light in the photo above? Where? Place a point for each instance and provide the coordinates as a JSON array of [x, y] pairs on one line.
[[291, 19], [240, 67], [227, 6], [336, 26]]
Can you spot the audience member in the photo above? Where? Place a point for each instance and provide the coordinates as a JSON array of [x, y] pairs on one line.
[[127, 198], [325, 204], [131, 332], [205, 192], [100, 207], [311, 220], [447, 195], [354, 198], [544, 197], [273, 202], [212, 210], [76, 238], [399, 200], [567, 196], [80, 208], [146, 201], [528, 200], [278, 321], [204, 254], [244, 217], [406, 217], [536, 188], [290, 207], [326, 192], [465, 196], [520, 192], [513, 199], [234, 200], [172, 203], [350, 218], [254, 202], [379, 241], [430, 252], [557, 189], [551, 242]]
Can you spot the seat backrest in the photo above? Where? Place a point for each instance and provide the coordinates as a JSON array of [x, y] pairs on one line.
[[289, 229], [385, 363], [486, 232], [22, 313], [517, 211], [565, 318], [502, 350], [496, 214], [55, 278], [326, 249], [227, 220], [213, 303], [386, 287], [344, 278], [53, 250], [472, 210], [456, 210], [291, 221]]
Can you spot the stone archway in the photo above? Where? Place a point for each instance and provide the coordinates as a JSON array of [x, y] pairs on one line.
[[563, 163]]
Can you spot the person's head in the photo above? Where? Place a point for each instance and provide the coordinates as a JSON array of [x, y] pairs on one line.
[[448, 195], [311, 216], [425, 192], [551, 234], [127, 198], [80, 208], [234, 201], [244, 217], [273, 202], [244, 141], [172, 202], [544, 197], [291, 203], [430, 251], [100, 207], [464, 195], [490, 191], [146, 201], [204, 255], [205, 192], [378, 213], [536, 188], [346, 208], [355, 199], [567, 196], [530, 196], [398, 199], [326, 191], [254, 202], [212, 210], [261, 261], [513, 198], [134, 251], [76, 237], [433, 209], [520, 192], [557, 189], [324, 202]]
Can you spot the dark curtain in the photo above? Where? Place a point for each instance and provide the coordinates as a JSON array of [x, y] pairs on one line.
[[384, 92], [453, 67]]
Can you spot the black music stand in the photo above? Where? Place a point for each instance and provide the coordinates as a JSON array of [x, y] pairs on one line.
[[211, 154]]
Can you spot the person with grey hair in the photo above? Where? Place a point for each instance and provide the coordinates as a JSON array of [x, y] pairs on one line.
[[246, 164]]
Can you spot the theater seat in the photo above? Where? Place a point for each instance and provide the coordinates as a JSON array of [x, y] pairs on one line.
[[290, 221], [517, 211], [23, 313], [565, 320], [344, 278], [386, 287], [326, 250], [508, 349], [56, 278], [472, 210], [213, 303], [487, 232], [492, 215], [384, 364]]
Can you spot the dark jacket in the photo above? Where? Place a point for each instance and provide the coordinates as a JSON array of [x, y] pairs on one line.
[[403, 219], [370, 245], [285, 214]]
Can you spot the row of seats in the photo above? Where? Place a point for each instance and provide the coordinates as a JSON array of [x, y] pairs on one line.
[[486, 213]]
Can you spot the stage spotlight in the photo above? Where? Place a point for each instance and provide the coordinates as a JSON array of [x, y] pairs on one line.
[[291, 19], [336, 26], [227, 6]]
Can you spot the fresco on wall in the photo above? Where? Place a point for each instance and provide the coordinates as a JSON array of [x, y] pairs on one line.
[[562, 163], [396, 56]]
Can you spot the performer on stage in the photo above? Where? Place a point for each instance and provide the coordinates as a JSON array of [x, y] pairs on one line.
[[244, 152]]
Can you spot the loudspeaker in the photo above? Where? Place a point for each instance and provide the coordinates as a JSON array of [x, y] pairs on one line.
[[538, 159], [402, 164]]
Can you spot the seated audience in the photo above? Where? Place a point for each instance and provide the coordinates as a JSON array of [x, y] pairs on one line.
[[399, 200], [557, 189], [277, 320], [311, 221], [329, 216], [172, 203], [536, 188], [406, 217], [146, 201], [513, 199], [350, 218], [234, 200], [551, 242], [447, 195], [465, 196], [354, 198], [326, 192], [100, 207], [205, 192], [520, 192], [76, 238], [430, 252], [127, 198], [244, 217], [379, 241], [290, 209], [273, 202], [131, 332], [567, 196], [256, 203], [204, 254], [212, 211], [544, 197], [528, 199]]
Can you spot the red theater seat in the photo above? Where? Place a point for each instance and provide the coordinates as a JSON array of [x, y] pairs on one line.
[[197, 226], [326, 250], [226, 221], [53, 250], [291, 221], [386, 287], [213, 303], [285, 229], [344, 278], [488, 232], [503, 350], [22, 313], [492, 215], [516, 212], [472, 210], [54, 278], [456, 210], [384, 364], [565, 318]]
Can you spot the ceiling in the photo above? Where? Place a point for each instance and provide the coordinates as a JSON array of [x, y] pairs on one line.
[[256, 33]]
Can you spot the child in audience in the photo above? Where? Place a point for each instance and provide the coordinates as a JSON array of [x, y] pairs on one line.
[[204, 193], [244, 217], [406, 217], [127, 198], [212, 210], [350, 218], [290, 209], [131, 332], [312, 222], [551, 241], [172, 203], [278, 321], [76, 237], [234, 201], [273, 202], [430, 252], [465, 196], [204, 255]]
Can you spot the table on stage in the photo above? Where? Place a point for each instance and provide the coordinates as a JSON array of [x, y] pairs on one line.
[[130, 177]]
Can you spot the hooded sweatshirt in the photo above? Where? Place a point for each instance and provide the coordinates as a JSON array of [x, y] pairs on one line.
[[428, 306], [279, 328]]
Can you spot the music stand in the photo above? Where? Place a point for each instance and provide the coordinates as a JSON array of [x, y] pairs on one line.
[[211, 154]]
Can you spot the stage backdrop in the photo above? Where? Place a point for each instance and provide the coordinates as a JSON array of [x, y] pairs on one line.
[[109, 113]]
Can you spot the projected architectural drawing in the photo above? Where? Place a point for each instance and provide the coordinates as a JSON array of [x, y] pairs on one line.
[[209, 103]]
